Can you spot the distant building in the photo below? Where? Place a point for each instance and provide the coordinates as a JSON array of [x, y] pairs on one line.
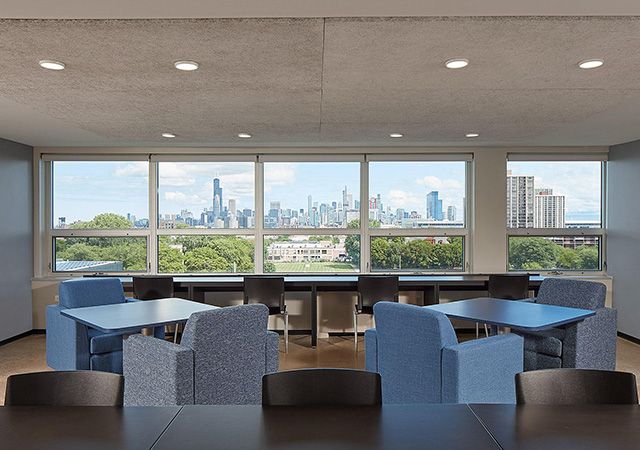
[[434, 206], [520, 204], [451, 213], [549, 209]]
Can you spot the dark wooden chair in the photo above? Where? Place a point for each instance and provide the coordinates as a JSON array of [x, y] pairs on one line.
[[322, 387], [576, 387], [65, 388]]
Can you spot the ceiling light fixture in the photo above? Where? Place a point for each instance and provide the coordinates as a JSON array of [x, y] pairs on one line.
[[168, 135], [244, 135], [472, 135], [396, 135], [51, 64], [187, 66], [457, 63], [590, 63]]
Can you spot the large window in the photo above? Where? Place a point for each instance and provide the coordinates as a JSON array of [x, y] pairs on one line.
[[311, 194], [99, 218], [257, 213], [554, 215]]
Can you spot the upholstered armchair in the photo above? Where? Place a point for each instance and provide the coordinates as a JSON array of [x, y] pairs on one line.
[[418, 356], [589, 344], [220, 361], [73, 346]]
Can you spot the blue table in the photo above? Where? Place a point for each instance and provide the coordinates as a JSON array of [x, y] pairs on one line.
[[132, 316], [512, 313]]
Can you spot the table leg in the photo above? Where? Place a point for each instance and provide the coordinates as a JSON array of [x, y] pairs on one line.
[[314, 316]]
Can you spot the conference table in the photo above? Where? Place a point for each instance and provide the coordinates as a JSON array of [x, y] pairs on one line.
[[431, 286], [388, 427]]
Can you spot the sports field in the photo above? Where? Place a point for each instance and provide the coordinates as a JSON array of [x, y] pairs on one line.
[[314, 267]]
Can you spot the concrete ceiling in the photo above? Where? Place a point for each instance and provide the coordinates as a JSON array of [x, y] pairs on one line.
[[334, 81], [192, 9]]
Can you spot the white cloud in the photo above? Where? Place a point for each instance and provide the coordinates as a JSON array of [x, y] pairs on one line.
[[181, 197], [430, 181], [133, 169], [402, 199], [278, 175]]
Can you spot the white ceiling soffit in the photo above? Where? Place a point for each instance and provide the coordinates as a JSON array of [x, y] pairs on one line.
[[317, 82], [150, 9]]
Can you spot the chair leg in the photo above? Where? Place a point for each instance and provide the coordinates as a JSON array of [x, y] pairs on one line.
[[175, 333], [286, 332], [486, 330], [477, 330], [355, 331]]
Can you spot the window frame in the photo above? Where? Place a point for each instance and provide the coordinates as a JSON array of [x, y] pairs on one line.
[[153, 232], [600, 232]]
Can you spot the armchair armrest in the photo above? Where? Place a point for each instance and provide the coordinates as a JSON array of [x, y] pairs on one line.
[[591, 343], [157, 372], [482, 370], [67, 341], [272, 352], [371, 350]]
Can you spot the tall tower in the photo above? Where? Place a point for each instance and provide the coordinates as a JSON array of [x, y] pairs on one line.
[[217, 198], [520, 201], [434, 206], [548, 209]]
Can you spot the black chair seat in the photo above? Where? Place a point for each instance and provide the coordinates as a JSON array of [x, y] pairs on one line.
[[365, 309]]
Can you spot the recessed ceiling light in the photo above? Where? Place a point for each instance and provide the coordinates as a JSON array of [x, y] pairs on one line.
[[244, 135], [51, 65], [590, 63], [396, 135], [472, 135], [187, 66], [168, 135], [457, 63]]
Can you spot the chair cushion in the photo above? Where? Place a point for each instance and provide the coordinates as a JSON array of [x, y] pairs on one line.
[[539, 361], [572, 293], [100, 342], [548, 342]]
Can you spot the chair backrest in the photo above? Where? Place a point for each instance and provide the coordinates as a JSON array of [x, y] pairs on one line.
[[326, 387], [508, 287], [572, 293], [152, 287], [90, 291], [376, 288], [72, 388], [229, 346], [576, 387], [410, 340], [268, 291]]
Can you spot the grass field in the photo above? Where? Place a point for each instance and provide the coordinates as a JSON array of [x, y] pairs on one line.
[[314, 267]]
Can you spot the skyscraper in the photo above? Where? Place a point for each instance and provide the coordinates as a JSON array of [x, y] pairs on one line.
[[217, 198], [549, 209], [519, 201], [434, 206], [451, 213], [232, 206]]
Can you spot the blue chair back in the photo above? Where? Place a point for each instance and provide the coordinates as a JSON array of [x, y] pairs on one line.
[[229, 347], [572, 293], [410, 342], [90, 292]]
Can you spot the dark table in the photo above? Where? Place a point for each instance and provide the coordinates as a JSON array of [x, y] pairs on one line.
[[391, 427], [132, 316], [82, 428], [512, 313], [195, 287], [562, 427]]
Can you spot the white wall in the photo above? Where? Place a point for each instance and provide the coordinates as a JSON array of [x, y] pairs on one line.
[[16, 238], [623, 234]]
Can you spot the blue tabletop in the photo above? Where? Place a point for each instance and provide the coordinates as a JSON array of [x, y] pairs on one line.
[[123, 317], [512, 313]]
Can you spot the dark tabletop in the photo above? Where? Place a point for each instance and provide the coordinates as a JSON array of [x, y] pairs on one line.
[[392, 426], [132, 316], [90, 428], [512, 313], [562, 427]]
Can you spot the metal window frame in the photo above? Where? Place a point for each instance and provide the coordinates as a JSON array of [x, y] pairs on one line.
[[599, 232]]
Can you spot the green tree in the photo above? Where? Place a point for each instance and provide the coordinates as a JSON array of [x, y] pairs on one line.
[[589, 257], [106, 221], [170, 259], [532, 253]]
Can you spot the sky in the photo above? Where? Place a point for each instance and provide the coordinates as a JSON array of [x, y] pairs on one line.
[[84, 189]]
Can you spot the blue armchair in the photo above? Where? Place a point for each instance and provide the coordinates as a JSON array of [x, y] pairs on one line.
[[220, 361], [590, 344], [418, 356], [73, 346]]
